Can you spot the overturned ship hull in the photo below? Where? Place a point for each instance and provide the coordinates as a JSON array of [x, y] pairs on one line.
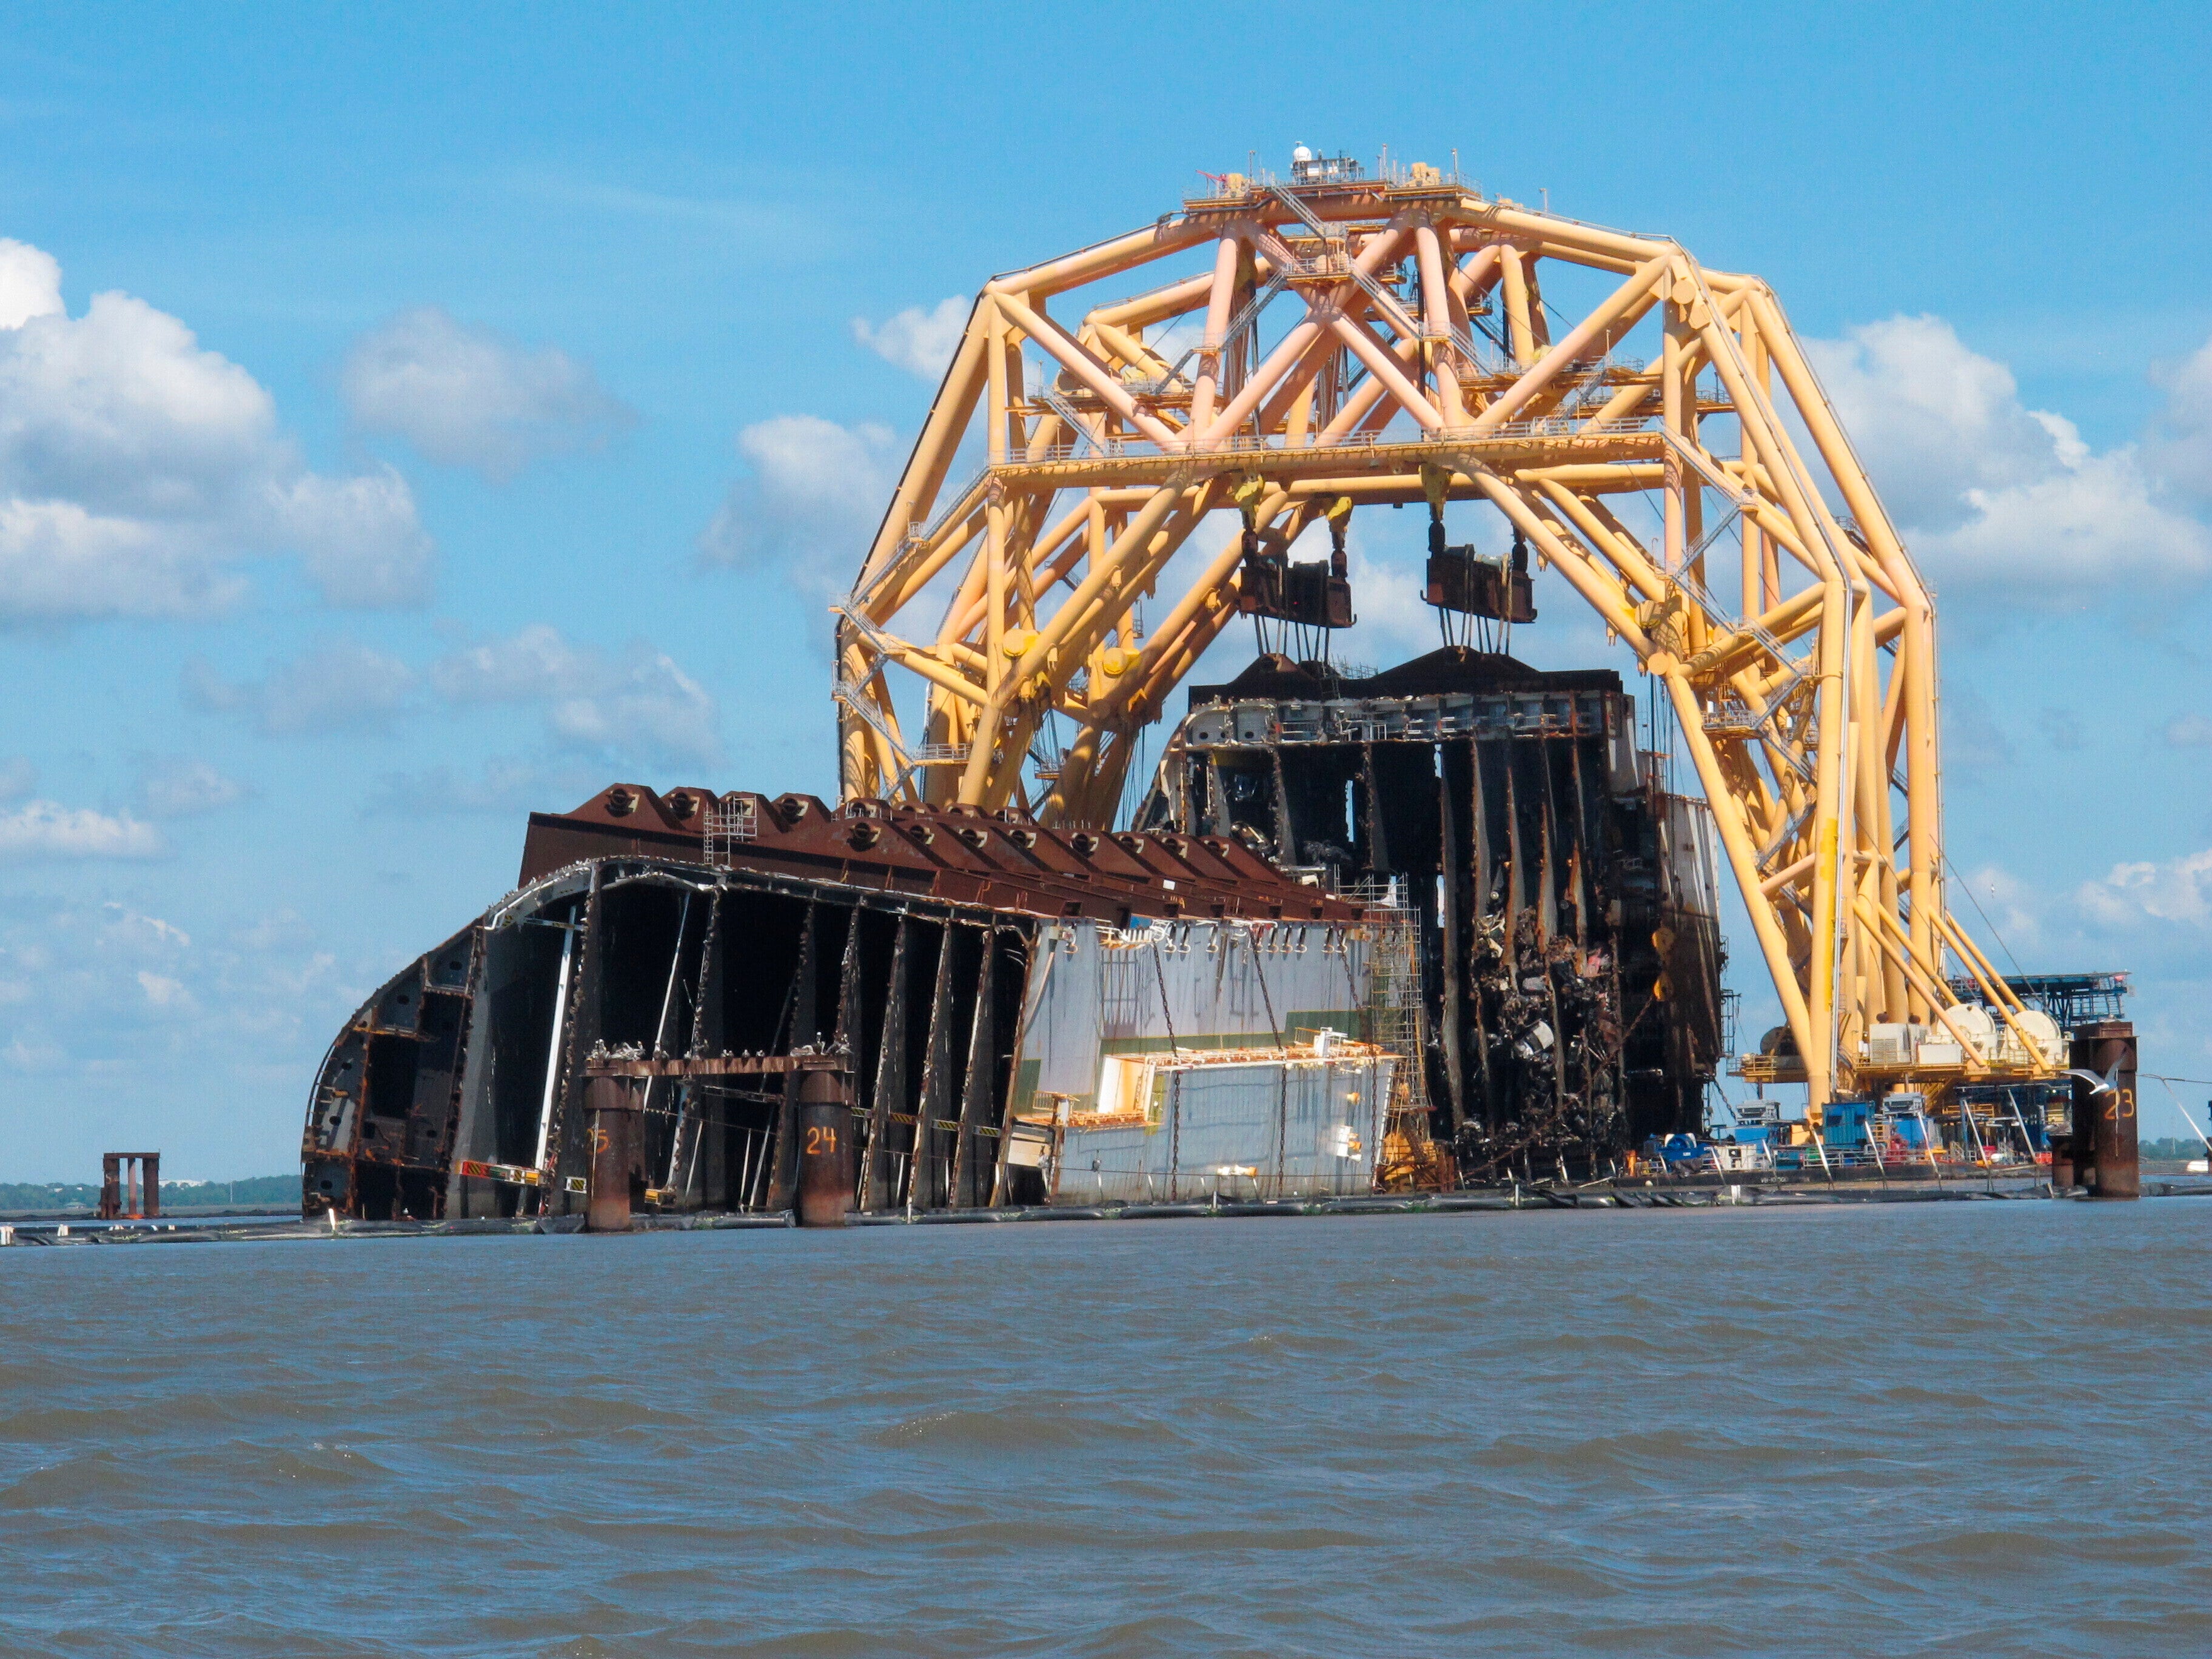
[[1006, 1015], [1567, 904]]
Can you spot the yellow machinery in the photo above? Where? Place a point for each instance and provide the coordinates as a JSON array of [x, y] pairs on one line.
[[1754, 575]]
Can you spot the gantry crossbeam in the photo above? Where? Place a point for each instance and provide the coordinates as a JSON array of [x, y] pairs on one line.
[[1389, 341]]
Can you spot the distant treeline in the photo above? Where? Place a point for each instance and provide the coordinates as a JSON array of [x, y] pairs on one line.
[[2166, 1151], [260, 1191]]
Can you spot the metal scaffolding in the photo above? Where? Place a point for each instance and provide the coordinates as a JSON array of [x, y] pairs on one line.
[[1416, 360]]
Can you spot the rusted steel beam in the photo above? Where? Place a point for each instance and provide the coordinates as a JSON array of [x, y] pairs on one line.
[[924, 1183], [799, 1022], [711, 1158], [998, 860], [976, 1091], [565, 1151], [890, 1077], [1450, 921]]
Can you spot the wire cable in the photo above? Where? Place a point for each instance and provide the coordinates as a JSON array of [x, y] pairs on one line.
[[1984, 914]]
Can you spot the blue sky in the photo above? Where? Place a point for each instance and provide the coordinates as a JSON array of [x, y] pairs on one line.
[[405, 421]]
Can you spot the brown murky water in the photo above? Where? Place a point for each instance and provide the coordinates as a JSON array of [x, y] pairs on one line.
[[1967, 1428]]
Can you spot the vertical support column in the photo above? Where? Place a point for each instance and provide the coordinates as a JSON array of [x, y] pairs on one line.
[[1206, 392], [1831, 847], [1370, 801], [1755, 602], [552, 1091], [1693, 497], [615, 1109], [1673, 359], [1520, 330], [925, 1181], [994, 517], [1450, 923], [1924, 801], [975, 1095], [1479, 884], [1034, 959], [707, 1182], [890, 1079], [802, 1028], [111, 1186], [154, 1183], [683, 1124], [1436, 323], [1875, 836], [2105, 1121], [560, 1130], [825, 1148]]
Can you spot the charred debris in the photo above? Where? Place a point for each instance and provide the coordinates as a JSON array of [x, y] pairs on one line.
[[1434, 927], [1564, 904]]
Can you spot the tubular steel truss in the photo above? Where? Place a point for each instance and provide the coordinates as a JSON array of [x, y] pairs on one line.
[[1759, 581]]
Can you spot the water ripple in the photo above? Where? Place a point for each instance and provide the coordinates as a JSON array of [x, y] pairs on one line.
[[1962, 1429]]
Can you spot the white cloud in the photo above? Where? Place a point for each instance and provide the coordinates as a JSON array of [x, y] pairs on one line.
[[138, 469], [537, 662], [1394, 622], [333, 685], [2096, 520], [358, 538], [101, 992], [166, 994], [810, 503], [173, 788], [2189, 732], [1991, 494], [2184, 448], [30, 282], [636, 705], [920, 341], [60, 563], [639, 705], [47, 830], [464, 395], [2177, 890], [654, 708]]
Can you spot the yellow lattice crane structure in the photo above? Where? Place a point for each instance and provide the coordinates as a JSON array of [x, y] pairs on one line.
[[1343, 340]]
